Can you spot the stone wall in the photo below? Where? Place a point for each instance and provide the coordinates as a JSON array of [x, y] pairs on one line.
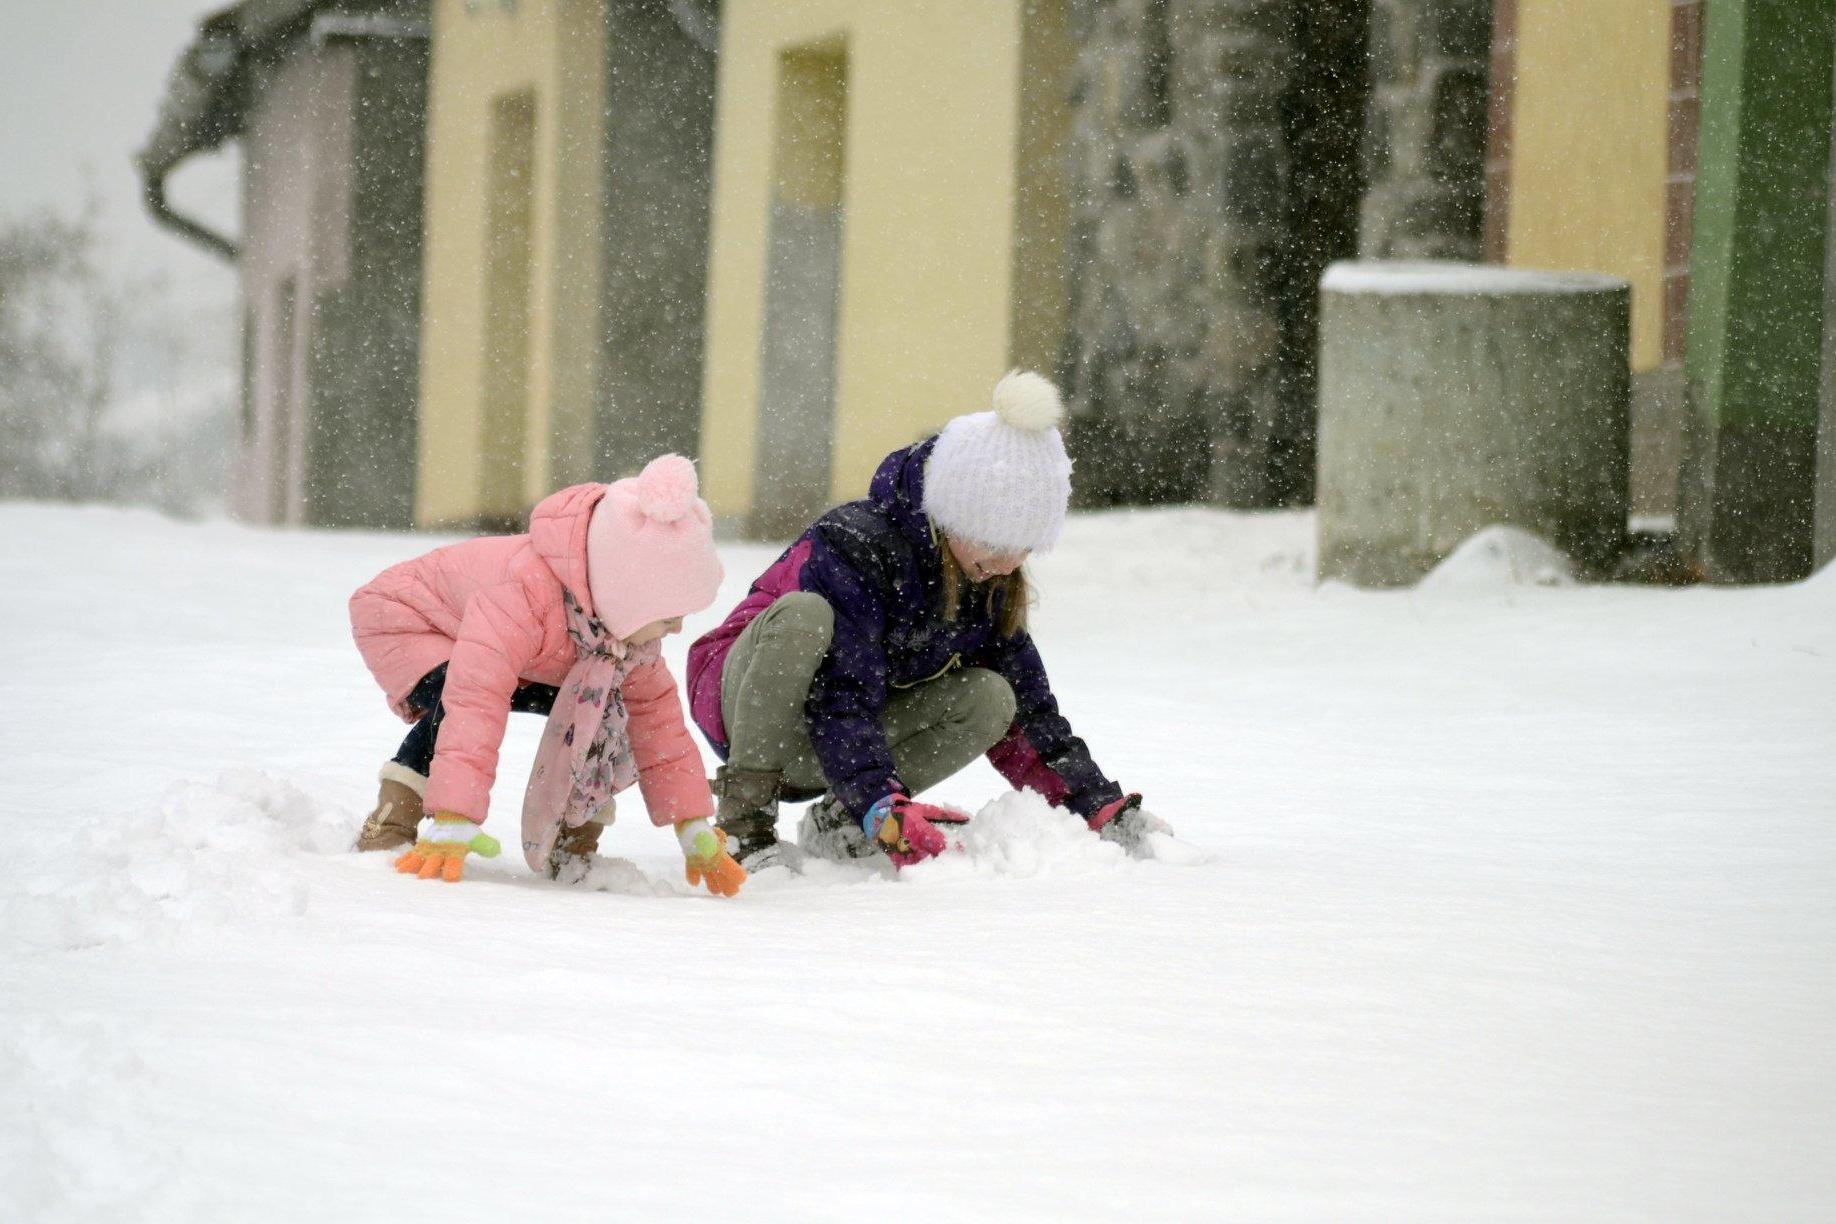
[[1220, 155], [1426, 128], [1179, 177]]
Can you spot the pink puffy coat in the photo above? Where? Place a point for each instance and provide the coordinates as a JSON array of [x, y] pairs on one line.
[[491, 609]]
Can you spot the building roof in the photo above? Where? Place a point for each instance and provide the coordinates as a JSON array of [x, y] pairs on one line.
[[206, 96], [203, 103]]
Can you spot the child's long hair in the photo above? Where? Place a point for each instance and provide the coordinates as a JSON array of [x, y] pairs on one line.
[[1012, 591]]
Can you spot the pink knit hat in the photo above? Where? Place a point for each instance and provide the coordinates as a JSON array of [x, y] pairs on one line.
[[650, 548]]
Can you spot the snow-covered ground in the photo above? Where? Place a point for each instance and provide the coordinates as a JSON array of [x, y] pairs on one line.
[[1494, 902]]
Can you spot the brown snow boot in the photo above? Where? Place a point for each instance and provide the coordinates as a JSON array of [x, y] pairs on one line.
[[573, 854], [397, 816]]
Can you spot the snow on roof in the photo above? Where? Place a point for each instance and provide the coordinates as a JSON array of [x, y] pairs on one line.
[[1448, 277]]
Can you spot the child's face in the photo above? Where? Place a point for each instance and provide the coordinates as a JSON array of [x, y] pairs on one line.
[[654, 630], [981, 563]]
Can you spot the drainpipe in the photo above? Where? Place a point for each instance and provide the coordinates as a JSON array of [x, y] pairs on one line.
[[154, 194], [198, 112]]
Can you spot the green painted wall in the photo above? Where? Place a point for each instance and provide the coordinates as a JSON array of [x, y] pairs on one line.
[[1756, 286]]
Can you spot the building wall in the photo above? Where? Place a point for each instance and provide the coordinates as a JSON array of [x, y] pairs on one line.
[[1589, 138], [511, 326], [1042, 212], [1685, 127], [926, 314], [1756, 295], [330, 261], [296, 153], [659, 153], [363, 357], [1501, 102], [1824, 544]]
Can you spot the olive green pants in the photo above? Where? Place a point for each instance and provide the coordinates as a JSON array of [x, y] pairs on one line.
[[933, 728]]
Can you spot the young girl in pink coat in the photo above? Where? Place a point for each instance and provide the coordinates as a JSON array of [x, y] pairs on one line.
[[566, 620]]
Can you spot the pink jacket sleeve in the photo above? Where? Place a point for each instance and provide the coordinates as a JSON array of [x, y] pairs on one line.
[[499, 638], [670, 772]]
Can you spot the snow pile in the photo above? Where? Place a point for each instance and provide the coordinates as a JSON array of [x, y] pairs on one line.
[[1023, 836], [208, 854], [1500, 558], [613, 875], [1017, 836], [1020, 834], [78, 1139]]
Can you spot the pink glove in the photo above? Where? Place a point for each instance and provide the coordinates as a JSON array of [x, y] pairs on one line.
[[907, 830]]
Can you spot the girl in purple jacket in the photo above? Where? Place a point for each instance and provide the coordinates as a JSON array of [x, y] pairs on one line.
[[887, 648]]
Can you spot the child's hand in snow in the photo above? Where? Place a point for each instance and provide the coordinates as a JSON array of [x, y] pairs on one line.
[[442, 849], [907, 830], [705, 858], [1126, 823]]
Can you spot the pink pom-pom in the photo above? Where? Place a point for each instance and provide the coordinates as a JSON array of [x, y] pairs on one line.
[[667, 488]]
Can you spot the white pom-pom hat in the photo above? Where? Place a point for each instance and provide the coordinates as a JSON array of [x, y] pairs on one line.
[[650, 548], [1002, 479]]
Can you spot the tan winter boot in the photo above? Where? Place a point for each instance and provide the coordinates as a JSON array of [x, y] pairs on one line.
[[397, 815], [572, 856]]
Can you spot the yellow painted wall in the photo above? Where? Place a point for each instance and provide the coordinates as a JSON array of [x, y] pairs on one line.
[[484, 53], [1589, 148], [1042, 212], [927, 316]]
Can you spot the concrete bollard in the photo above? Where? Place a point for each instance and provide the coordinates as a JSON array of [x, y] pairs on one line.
[[1454, 396]]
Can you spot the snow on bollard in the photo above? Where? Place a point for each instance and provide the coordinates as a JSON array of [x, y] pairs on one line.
[[1455, 396]]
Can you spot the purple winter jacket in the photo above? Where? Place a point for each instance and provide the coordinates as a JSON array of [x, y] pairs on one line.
[[876, 562]]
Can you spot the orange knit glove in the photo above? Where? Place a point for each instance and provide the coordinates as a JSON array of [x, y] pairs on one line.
[[705, 858], [442, 849]]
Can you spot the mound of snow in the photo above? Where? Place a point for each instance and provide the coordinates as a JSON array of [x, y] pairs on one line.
[[604, 873], [1500, 558], [208, 854], [1020, 834]]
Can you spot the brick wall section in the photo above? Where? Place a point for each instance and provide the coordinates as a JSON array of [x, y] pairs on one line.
[[1685, 123], [1498, 127]]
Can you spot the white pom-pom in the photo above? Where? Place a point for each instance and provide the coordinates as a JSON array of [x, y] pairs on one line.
[[666, 488], [1027, 400]]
